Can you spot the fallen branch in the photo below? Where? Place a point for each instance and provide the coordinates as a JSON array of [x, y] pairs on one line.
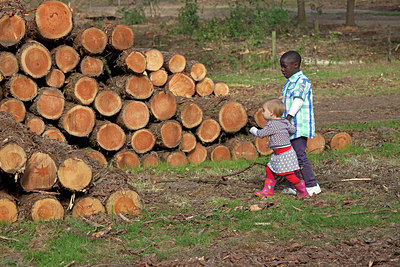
[[8, 239], [356, 179]]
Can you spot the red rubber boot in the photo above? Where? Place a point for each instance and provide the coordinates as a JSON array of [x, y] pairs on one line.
[[301, 189]]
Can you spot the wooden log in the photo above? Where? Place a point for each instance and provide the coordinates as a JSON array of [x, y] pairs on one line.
[[259, 118], [163, 105], [181, 85], [142, 141], [55, 78], [124, 201], [232, 117], [96, 155], [242, 148], [174, 158], [92, 41], [159, 77], [139, 87], [34, 59], [92, 66], [74, 174], [205, 87], [53, 20], [168, 134], [198, 154], [15, 107], [41, 207], [132, 61], [174, 63], [340, 141], [8, 208], [54, 133], [12, 158], [190, 115], [49, 103], [21, 87], [107, 102], [35, 124], [126, 159], [196, 70], [40, 173], [150, 159], [208, 131], [77, 120], [134, 115], [188, 142], [81, 89], [317, 144], [9, 63], [12, 28], [120, 37], [108, 136], [221, 89], [87, 206], [154, 59], [261, 146], [218, 153], [65, 57]]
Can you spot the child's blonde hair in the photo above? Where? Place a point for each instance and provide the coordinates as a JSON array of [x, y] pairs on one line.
[[276, 106]]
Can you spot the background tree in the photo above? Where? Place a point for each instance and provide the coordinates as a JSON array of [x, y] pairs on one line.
[[350, 21], [301, 12]]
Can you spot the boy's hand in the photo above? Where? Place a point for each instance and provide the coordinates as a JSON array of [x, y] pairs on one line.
[[253, 130], [289, 117]]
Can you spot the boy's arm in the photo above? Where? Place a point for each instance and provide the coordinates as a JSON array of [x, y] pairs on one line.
[[294, 108]]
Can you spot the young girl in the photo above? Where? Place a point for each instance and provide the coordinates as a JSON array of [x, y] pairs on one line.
[[284, 160]]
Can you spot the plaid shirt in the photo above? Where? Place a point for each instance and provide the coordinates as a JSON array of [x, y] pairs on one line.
[[278, 132], [298, 85]]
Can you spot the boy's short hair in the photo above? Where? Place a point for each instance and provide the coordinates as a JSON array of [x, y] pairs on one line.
[[276, 106], [292, 56]]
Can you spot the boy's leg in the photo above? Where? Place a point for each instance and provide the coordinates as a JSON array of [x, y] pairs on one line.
[[299, 145]]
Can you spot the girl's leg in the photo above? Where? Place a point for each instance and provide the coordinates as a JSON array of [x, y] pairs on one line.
[[300, 185], [269, 184]]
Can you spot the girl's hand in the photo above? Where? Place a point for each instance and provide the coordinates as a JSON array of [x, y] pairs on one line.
[[253, 130]]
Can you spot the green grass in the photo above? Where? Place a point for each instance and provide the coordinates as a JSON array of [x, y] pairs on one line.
[[385, 14]]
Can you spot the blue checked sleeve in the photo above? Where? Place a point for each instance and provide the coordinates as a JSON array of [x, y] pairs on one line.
[[303, 88]]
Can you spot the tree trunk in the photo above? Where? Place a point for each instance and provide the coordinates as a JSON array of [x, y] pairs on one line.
[[78, 120], [55, 78], [175, 158], [150, 159], [181, 85], [340, 140], [208, 131], [21, 87], [163, 105], [350, 20], [15, 107], [132, 61], [154, 59], [74, 174], [261, 146], [174, 63], [92, 41], [92, 66], [190, 115], [120, 37], [40, 173], [81, 89], [126, 159], [12, 158], [159, 77], [205, 87], [242, 148], [9, 64], [232, 117], [198, 154], [41, 207], [221, 89], [301, 12], [65, 57], [49, 103], [134, 115], [142, 141], [53, 20], [35, 124], [218, 153], [87, 206], [34, 59], [168, 134], [8, 208], [196, 70], [108, 136], [12, 27], [108, 103], [54, 133], [317, 144], [188, 142]]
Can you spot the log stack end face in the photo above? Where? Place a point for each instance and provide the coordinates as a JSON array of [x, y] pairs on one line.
[[12, 29]]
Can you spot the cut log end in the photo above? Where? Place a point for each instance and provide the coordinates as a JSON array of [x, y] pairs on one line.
[[143, 141], [244, 149], [191, 115], [122, 37], [35, 59], [36, 125], [23, 88], [93, 40], [198, 154], [47, 209], [134, 115], [188, 142], [159, 77], [220, 153], [198, 71], [79, 121], [53, 20], [108, 103], [87, 206], [110, 137], [232, 117], [9, 63], [15, 107], [50, 103], [340, 141], [205, 87], [12, 158], [181, 85], [54, 134], [154, 59], [150, 160], [176, 159], [124, 201], [177, 63], [92, 66], [74, 174], [261, 146], [139, 87], [317, 144], [135, 62], [55, 78], [208, 131], [126, 160], [259, 118], [85, 90], [8, 210], [171, 134], [221, 89], [98, 156], [66, 58], [12, 29], [163, 105]]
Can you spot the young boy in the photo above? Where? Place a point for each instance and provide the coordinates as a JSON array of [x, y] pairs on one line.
[[298, 99]]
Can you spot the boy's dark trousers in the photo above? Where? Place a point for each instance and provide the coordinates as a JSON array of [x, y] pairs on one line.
[[299, 145]]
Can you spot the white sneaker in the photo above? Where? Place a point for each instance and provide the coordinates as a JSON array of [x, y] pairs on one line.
[[289, 191], [313, 190]]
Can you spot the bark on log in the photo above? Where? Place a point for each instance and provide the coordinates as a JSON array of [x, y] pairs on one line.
[[261, 146], [232, 117], [317, 144], [92, 66], [196, 70], [34, 59], [205, 87], [174, 158], [154, 59], [9, 63], [126, 159], [74, 174], [53, 133], [12, 27], [14, 107], [120, 37], [96, 155], [55, 78], [242, 148], [81, 89], [218, 153], [35, 124], [159, 77], [40, 173], [12, 158], [150, 159], [208, 131], [142, 141], [132, 61], [8, 208], [49, 103], [92, 41], [107, 102], [221, 89], [78, 120], [188, 142], [65, 57], [198, 154], [134, 115], [340, 141], [181, 85], [174, 63], [41, 207], [87, 206], [108, 136], [21, 87], [168, 134], [53, 20], [191, 115], [163, 105]]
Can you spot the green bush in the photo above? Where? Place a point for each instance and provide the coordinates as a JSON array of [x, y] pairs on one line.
[[188, 18], [132, 15]]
